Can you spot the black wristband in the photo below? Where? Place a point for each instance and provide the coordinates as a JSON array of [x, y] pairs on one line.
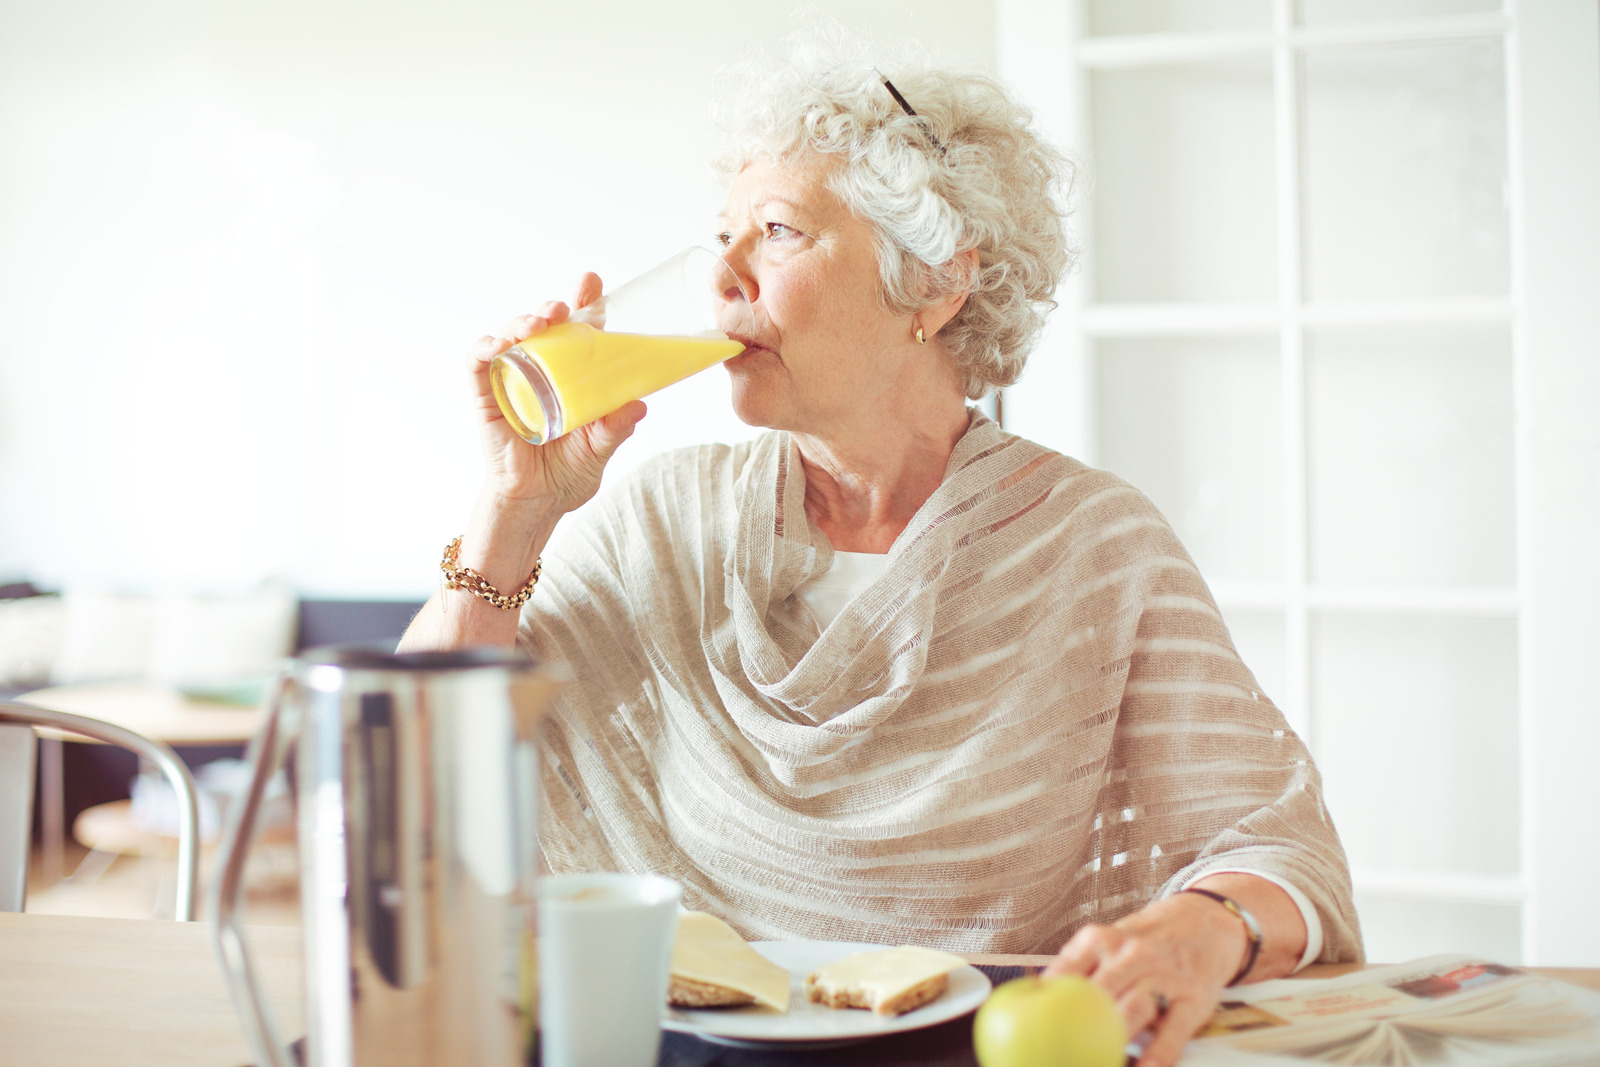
[[1251, 927]]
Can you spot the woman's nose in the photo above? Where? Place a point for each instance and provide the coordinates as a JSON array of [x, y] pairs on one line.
[[733, 281]]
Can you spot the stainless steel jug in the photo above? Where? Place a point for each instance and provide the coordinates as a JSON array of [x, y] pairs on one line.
[[415, 787]]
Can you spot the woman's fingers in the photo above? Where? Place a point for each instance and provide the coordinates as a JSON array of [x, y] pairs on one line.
[[518, 329], [525, 326], [615, 428], [572, 464], [1084, 954], [1144, 981], [1140, 1006], [485, 349], [1183, 1020], [588, 290], [1133, 960], [1152, 968]]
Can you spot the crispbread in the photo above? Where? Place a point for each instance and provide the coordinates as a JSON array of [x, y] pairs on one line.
[[688, 993], [907, 999], [887, 982], [713, 967]]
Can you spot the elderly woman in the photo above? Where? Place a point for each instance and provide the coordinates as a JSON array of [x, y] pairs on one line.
[[888, 673]]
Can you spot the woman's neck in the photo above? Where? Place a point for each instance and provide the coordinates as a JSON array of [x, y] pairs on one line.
[[862, 490]]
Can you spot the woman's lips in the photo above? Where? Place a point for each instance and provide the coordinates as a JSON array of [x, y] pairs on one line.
[[750, 345]]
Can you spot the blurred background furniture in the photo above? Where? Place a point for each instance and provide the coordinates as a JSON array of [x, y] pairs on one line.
[[171, 766], [338, 622], [87, 786], [151, 709], [16, 807]]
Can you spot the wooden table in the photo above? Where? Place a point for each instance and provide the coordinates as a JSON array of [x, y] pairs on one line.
[[137, 992], [131, 992], [157, 711]]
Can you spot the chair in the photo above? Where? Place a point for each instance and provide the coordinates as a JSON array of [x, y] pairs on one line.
[[16, 797], [16, 813]]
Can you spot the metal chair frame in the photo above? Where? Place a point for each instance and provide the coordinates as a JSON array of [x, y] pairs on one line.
[[155, 752]]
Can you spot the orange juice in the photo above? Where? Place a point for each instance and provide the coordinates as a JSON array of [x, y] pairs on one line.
[[572, 374]]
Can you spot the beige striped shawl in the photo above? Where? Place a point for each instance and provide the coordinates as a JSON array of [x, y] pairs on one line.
[[1033, 719]]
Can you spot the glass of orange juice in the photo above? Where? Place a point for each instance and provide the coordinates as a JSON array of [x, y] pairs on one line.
[[655, 330]]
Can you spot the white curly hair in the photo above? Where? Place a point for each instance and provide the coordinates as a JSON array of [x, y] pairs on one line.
[[966, 172]]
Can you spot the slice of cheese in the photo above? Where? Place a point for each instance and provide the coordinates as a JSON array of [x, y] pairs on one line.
[[888, 981], [708, 950]]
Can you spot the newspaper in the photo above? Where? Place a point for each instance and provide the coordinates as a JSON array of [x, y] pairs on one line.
[[1444, 1010]]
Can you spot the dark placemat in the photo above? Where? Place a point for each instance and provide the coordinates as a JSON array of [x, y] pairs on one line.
[[946, 1045]]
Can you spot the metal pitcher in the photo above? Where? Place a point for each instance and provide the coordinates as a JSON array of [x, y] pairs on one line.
[[414, 777]]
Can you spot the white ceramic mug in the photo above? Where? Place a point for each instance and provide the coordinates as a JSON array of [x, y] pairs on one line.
[[605, 949]]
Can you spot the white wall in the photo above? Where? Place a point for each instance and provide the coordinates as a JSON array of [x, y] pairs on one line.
[[1386, 458], [244, 246]]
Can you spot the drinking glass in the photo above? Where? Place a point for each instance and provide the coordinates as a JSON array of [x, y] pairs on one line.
[[653, 331]]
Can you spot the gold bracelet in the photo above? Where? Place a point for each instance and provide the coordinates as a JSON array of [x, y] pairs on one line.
[[469, 580]]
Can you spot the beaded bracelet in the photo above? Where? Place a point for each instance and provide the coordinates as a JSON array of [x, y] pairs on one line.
[[1252, 928], [470, 581]]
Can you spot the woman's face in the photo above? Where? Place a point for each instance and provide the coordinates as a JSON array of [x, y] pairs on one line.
[[823, 356]]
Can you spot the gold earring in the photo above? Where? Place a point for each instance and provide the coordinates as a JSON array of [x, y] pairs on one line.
[[920, 339]]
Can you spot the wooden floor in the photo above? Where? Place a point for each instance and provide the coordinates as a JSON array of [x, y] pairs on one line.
[[141, 886]]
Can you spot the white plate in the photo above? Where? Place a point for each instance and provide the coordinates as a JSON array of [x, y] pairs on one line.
[[808, 1025]]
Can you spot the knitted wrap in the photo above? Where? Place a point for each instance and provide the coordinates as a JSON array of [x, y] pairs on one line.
[[1033, 719]]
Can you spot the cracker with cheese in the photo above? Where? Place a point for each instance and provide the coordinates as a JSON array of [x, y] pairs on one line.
[[713, 967], [890, 981]]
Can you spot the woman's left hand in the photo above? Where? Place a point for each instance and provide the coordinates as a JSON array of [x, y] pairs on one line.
[[1166, 966]]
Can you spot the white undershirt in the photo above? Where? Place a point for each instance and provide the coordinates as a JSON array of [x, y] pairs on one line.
[[849, 575]]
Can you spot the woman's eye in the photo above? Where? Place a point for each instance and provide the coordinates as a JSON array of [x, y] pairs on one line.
[[777, 231], [723, 240]]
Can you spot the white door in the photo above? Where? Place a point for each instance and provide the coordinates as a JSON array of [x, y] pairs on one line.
[[1339, 316]]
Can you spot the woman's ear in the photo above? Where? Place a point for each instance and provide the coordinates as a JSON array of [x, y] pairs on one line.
[[935, 317]]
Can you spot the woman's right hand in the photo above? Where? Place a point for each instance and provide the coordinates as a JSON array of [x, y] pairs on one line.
[[564, 472]]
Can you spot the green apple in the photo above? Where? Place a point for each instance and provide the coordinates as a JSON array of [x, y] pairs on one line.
[[1049, 1022]]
